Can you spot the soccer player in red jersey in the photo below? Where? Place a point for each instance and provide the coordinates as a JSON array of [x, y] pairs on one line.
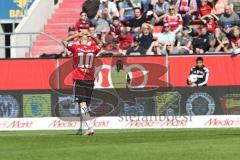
[[83, 74]]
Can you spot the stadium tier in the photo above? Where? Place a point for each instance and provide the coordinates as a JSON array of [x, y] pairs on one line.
[[57, 26]]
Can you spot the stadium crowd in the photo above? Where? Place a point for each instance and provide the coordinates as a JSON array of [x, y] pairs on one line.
[[158, 27]]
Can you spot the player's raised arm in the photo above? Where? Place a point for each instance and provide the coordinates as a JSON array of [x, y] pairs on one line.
[[69, 38]]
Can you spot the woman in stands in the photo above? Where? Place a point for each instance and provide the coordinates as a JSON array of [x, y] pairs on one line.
[[218, 6], [146, 36], [173, 19]]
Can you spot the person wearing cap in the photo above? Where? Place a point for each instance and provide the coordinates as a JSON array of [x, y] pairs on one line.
[[136, 49], [82, 24], [110, 7], [166, 36]]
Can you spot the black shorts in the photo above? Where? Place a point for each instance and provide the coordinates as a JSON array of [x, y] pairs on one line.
[[82, 90]]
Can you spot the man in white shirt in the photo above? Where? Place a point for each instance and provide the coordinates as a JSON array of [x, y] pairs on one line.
[[166, 36], [110, 6]]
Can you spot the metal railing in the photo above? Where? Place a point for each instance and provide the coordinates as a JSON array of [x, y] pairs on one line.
[[30, 45]]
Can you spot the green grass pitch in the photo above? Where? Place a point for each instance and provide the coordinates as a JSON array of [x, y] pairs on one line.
[[140, 144]]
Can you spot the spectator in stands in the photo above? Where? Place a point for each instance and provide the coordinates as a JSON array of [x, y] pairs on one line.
[[218, 6], [236, 47], [145, 5], [82, 22], [205, 8], [126, 8], [160, 8], [125, 36], [71, 30], [169, 48], [91, 8], [125, 41], [201, 43], [146, 36], [116, 26], [103, 23], [218, 35], [186, 8], [210, 20], [166, 36], [173, 19], [229, 19], [137, 21], [234, 36], [110, 42], [236, 5], [212, 45], [224, 46], [92, 31], [136, 49], [154, 49], [184, 41], [109, 8], [103, 36]]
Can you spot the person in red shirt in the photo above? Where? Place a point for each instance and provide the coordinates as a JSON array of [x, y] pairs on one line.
[[205, 8], [210, 20], [173, 19], [82, 24], [83, 74], [116, 26]]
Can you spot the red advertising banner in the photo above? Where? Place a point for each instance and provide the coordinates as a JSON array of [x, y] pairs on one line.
[[26, 74], [146, 71]]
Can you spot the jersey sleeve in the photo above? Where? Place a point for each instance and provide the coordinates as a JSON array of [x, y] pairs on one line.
[[180, 20], [71, 47], [96, 49]]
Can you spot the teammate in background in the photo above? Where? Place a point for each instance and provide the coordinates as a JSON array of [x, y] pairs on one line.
[[83, 75], [199, 74]]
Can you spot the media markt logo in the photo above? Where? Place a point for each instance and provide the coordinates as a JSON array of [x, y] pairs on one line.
[[37, 105], [22, 3]]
